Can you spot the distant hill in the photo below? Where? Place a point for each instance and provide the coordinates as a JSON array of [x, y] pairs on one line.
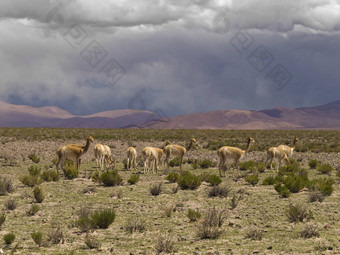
[[320, 117], [50, 116]]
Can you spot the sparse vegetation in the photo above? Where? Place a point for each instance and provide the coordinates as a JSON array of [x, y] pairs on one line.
[[111, 178], [2, 219], [214, 180], [37, 237], [219, 191], [6, 186], [133, 179], [156, 189], [255, 233], [193, 215], [34, 158], [33, 209], [252, 179], [310, 230], [165, 243], [103, 218], [70, 170], [188, 180], [298, 213], [313, 163], [172, 176], [134, 224], [50, 175], [92, 242], [38, 194], [10, 204], [325, 169], [211, 225], [9, 238]]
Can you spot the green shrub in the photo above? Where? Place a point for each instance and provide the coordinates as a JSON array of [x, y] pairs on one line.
[[285, 170], [10, 204], [30, 180], [70, 170], [219, 191], [38, 194], [9, 238], [6, 186], [33, 209], [261, 167], [204, 177], [193, 215], [34, 170], [295, 183], [313, 163], [270, 180], [34, 158], [205, 163], [103, 218], [194, 165], [37, 237], [214, 180], [324, 185], [96, 176], [111, 178], [325, 168], [2, 219], [172, 177], [282, 190], [50, 175], [85, 223], [156, 189], [298, 213], [188, 180], [134, 178], [248, 165], [174, 162], [252, 179]]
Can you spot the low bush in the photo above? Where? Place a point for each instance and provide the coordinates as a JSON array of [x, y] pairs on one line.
[[111, 178], [103, 218], [290, 169], [313, 163], [30, 180], [6, 186], [295, 183], [172, 177], [255, 234], [205, 163], [214, 180], [193, 215], [282, 190], [210, 227], [156, 189], [34, 170], [219, 191], [9, 238], [96, 176], [270, 180], [33, 210], [70, 170], [165, 243], [261, 167], [55, 234], [315, 196], [298, 213], [324, 185], [252, 179], [310, 230], [92, 242], [325, 169], [248, 165], [134, 224], [2, 219], [50, 175], [38, 194], [34, 158], [37, 238], [188, 180], [133, 179], [10, 204], [174, 162]]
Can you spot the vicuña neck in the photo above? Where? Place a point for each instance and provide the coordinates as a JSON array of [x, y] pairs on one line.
[[247, 148]]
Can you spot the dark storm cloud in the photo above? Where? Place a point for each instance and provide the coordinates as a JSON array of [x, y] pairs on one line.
[[178, 58]]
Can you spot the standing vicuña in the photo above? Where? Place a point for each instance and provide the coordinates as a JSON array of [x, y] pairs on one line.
[[72, 151], [289, 150], [177, 150], [234, 153], [152, 154], [103, 156], [131, 158], [276, 152]]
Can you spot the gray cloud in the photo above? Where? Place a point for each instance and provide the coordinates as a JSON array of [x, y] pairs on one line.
[[180, 54]]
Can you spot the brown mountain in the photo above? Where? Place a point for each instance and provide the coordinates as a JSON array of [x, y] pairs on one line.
[[50, 116], [320, 117]]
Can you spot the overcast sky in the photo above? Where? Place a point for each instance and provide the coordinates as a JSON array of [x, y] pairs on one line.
[[171, 57]]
